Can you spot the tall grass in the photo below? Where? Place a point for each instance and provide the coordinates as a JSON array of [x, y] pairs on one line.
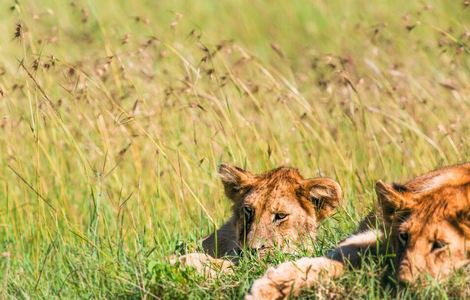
[[115, 114]]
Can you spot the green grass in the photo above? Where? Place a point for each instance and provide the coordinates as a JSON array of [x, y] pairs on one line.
[[115, 115]]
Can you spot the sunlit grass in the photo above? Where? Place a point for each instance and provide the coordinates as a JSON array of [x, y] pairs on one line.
[[114, 116]]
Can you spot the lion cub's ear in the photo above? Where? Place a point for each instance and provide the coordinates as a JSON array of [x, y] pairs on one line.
[[324, 193], [392, 199], [235, 180]]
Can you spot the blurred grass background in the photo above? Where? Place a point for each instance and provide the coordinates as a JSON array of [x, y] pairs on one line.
[[115, 114]]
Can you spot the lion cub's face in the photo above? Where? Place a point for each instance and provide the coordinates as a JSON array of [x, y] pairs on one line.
[[429, 218], [279, 208]]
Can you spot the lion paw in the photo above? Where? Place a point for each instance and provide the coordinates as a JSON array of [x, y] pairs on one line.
[[290, 277], [277, 283], [204, 264]]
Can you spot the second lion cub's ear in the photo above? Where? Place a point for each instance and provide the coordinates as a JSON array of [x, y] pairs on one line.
[[324, 193], [391, 197], [235, 180]]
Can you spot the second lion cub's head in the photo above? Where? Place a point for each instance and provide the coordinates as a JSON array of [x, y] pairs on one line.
[[278, 209], [428, 220]]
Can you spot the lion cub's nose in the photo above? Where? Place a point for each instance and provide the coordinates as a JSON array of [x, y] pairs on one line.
[[406, 276], [258, 246]]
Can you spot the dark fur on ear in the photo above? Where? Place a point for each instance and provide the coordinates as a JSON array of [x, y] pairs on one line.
[[399, 187], [324, 193], [461, 222], [393, 201], [235, 180], [463, 217]]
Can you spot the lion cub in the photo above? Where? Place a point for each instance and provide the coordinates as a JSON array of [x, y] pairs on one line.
[[278, 209], [426, 223]]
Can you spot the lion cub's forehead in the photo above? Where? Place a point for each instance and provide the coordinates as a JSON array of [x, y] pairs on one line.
[[279, 184], [438, 228], [437, 212], [282, 178], [442, 203]]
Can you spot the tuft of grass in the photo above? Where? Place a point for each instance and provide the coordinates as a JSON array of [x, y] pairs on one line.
[[114, 116]]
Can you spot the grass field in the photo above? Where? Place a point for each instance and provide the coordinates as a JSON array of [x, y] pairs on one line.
[[115, 115]]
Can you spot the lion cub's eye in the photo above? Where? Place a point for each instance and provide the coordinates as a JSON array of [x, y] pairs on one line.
[[280, 216], [438, 244], [403, 238], [248, 211]]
